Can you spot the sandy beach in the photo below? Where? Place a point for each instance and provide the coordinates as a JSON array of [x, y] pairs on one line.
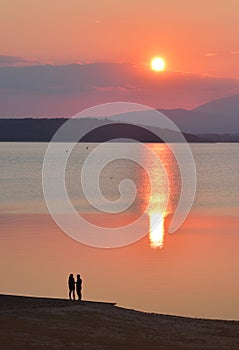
[[44, 323]]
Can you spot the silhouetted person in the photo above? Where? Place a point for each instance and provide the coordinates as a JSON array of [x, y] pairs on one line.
[[78, 287], [71, 285]]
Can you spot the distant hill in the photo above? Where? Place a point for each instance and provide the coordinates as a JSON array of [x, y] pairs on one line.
[[187, 121], [227, 106], [216, 117], [42, 130], [198, 122], [221, 137]]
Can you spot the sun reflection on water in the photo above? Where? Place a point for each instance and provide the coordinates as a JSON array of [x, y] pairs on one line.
[[163, 203], [156, 230]]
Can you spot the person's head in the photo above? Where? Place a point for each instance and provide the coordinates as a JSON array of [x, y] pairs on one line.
[[78, 276], [71, 275]]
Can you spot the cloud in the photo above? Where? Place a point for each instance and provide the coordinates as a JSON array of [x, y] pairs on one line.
[[235, 52], [210, 54], [67, 89], [213, 54], [15, 61]]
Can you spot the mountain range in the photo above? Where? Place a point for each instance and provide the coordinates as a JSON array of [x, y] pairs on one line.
[[215, 121], [216, 117]]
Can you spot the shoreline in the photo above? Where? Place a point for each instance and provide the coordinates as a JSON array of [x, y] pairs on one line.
[[44, 299], [50, 323]]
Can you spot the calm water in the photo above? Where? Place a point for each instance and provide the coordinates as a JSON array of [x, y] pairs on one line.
[[193, 272]]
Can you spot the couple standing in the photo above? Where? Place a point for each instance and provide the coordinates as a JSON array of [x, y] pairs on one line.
[[74, 285]]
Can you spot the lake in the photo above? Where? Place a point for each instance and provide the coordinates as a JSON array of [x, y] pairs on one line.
[[192, 272]]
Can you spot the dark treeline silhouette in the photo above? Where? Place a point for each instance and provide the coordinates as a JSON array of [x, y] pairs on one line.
[[42, 130]]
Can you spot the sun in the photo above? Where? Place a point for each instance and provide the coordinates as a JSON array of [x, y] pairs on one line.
[[158, 64]]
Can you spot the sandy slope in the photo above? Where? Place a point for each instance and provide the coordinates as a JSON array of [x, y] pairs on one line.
[[40, 323]]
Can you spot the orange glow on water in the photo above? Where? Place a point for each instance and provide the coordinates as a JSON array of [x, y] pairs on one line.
[[156, 230], [161, 206]]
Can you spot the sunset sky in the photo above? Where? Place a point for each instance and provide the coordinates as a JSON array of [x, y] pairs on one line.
[[58, 58], [198, 40]]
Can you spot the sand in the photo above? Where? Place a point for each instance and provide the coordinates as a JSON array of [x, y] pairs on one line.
[[44, 323]]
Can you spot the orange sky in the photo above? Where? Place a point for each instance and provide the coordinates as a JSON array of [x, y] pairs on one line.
[[184, 32]]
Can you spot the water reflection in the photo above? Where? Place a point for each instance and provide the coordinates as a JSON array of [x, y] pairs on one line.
[[158, 212], [156, 230], [155, 204]]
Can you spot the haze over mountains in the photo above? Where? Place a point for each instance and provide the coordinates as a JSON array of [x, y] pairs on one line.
[[220, 116]]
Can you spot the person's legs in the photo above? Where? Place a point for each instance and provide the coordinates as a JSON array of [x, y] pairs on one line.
[[78, 291], [72, 294]]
